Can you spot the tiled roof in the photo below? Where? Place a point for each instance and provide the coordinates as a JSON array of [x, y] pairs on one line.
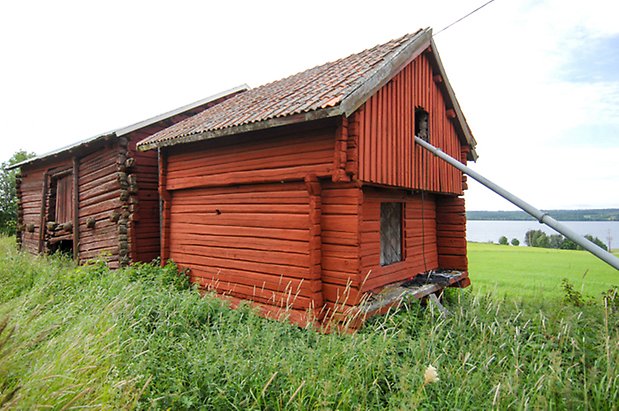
[[321, 87]]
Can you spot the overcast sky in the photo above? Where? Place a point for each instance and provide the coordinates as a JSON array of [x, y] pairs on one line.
[[537, 80]]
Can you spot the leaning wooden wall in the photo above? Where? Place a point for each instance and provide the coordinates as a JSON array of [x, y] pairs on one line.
[[33, 205], [29, 195], [99, 204], [118, 199], [386, 149]]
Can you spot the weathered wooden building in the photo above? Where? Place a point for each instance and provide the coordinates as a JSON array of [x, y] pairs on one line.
[[98, 197], [310, 192]]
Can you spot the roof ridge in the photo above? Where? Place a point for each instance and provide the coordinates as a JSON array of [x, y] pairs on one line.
[[389, 56], [334, 88], [386, 61], [260, 98]]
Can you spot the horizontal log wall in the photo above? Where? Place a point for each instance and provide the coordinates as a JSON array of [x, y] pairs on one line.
[[105, 195], [29, 196], [419, 239], [386, 123], [352, 145], [251, 159], [249, 241], [99, 200], [451, 233], [58, 209], [340, 243], [144, 224]]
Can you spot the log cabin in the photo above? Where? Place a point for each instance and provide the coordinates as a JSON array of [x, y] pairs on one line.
[[309, 194], [98, 198]]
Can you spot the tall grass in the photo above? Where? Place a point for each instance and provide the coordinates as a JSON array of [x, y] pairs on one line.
[[532, 273], [142, 338]]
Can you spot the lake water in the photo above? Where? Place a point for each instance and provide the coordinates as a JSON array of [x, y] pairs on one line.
[[484, 231]]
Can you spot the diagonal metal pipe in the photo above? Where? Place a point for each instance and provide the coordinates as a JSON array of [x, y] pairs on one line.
[[539, 215]]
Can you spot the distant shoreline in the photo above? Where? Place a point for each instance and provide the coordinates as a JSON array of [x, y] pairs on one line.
[[602, 214]]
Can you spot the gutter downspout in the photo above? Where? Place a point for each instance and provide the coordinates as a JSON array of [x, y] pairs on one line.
[[539, 215]]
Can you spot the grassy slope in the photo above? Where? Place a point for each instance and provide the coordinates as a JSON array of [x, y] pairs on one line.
[[88, 337], [536, 273]]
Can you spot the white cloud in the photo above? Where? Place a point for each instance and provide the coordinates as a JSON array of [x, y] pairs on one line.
[[524, 114], [75, 69]]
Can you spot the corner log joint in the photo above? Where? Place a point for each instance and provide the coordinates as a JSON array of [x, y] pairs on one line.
[[340, 156], [314, 190]]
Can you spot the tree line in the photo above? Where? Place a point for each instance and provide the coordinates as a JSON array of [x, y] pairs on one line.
[[602, 214], [538, 238], [8, 196]]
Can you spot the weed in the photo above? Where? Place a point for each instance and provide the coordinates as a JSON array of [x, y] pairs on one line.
[[139, 337], [572, 296], [611, 298], [154, 274]]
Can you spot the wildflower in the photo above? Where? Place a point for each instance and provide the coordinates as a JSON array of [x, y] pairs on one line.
[[430, 376]]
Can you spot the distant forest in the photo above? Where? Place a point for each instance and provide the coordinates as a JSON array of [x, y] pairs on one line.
[[606, 214]]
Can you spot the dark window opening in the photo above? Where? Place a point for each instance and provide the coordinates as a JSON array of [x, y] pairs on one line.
[[62, 247], [390, 233], [58, 229], [422, 120]]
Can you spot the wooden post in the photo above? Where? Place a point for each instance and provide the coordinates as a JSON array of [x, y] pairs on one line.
[[312, 185], [340, 155], [129, 200], [164, 195], [76, 210], [123, 223], [451, 233], [43, 210], [20, 212], [352, 144]]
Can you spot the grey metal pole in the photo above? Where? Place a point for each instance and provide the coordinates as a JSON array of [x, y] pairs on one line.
[[538, 214]]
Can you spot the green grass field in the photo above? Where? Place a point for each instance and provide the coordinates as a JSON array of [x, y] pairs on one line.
[[536, 273], [140, 338]]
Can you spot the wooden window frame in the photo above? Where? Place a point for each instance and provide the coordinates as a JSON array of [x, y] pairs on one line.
[[422, 124], [54, 179], [395, 251]]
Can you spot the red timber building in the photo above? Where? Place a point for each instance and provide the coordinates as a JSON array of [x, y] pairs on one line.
[[310, 192], [98, 198]]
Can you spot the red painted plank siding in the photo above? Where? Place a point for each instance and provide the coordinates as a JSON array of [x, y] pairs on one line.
[[387, 153]]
